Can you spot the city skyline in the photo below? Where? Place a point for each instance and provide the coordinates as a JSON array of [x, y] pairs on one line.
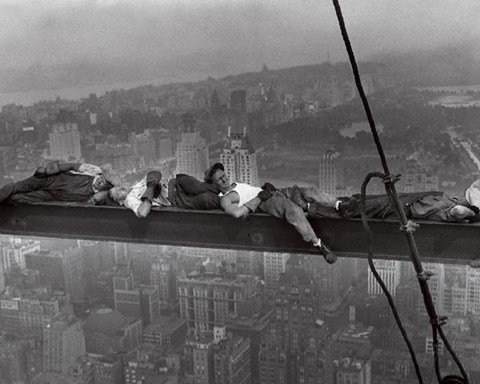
[[263, 87], [304, 308]]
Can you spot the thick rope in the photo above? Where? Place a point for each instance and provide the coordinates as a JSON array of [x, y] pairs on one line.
[[379, 278], [390, 189]]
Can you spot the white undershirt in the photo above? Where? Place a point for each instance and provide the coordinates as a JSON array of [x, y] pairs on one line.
[[246, 192]]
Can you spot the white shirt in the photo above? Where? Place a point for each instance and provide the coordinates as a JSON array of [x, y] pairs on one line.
[[472, 194], [246, 192], [133, 199], [89, 169]]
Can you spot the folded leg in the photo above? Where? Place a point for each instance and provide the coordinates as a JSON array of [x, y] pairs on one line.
[[30, 197]]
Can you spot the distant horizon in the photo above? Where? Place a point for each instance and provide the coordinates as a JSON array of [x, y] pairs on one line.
[[75, 93], [31, 96]]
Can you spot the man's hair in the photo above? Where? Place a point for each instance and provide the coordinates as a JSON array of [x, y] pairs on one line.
[[211, 171]]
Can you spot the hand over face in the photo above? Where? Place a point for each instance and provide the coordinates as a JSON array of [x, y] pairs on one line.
[[153, 178], [264, 195]]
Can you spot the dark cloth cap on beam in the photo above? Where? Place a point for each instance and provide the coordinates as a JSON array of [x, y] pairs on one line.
[[210, 171]]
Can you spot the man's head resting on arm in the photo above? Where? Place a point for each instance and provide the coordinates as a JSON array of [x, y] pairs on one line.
[[114, 196], [216, 175]]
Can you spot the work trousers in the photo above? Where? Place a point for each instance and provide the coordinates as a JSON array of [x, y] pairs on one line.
[[291, 204], [59, 187], [432, 205]]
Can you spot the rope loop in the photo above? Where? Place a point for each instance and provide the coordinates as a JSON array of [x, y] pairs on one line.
[[390, 188]]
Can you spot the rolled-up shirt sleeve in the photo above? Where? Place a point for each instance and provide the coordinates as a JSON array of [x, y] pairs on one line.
[[473, 194], [134, 197], [89, 169], [132, 202]]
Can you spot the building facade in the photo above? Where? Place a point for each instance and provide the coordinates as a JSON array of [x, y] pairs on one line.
[[209, 300], [64, 142], [239, 159], [63, 343], [192, 155]]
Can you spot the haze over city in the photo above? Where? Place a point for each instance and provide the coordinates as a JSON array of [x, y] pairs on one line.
[[121, 41], [174, 282]]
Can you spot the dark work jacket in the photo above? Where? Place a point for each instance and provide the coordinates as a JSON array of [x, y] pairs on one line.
[[380, 206], [187, 192]]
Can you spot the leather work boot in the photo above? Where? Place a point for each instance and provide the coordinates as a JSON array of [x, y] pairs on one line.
[[328, 255]]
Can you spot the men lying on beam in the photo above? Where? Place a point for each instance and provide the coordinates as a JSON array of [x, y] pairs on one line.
[[67, 182], [240, 200], [183, 191], [433, 205]]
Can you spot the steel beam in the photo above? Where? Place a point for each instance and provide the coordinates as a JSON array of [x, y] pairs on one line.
[[438, 242]]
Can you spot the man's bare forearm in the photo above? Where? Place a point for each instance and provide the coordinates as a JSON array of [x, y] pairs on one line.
[[253, 204]]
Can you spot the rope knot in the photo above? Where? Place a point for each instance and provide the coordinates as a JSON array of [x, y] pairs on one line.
[[439, 321], [425, 275], [391, 179], [410, 227]]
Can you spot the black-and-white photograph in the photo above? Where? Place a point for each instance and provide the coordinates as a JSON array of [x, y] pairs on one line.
[[239, 192]]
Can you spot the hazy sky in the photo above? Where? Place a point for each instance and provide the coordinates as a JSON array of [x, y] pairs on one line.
[[224, 33]]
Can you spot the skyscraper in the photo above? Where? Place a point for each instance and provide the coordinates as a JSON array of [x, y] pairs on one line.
[[63, 343], [144, 147], [29, 314], [13, 362], [332, 282], [349, 370], [294, 329], [473, 290], [104, 288], [167, 332], [389, 271], [273, 364], [203, 360], [2, 279], [108, 331], [64, 142], [121, 156], [13, 252], [139, 302], [192, 155], [162, 276], [273, 265], [7, 158], [209, 300], [252, 328], [239, 159], [63, 270], [107, 370], [231, 360], [329, 172]]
